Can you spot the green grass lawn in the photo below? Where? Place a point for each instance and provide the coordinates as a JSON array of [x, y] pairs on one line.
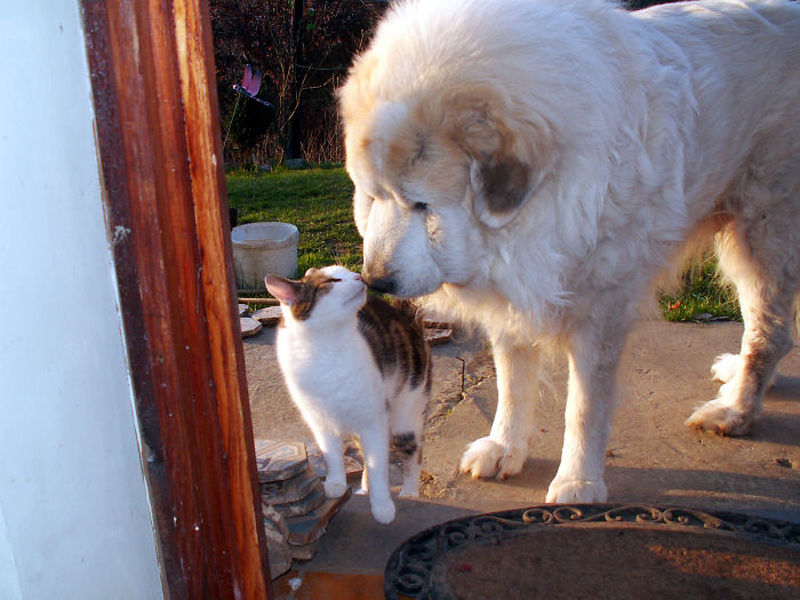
[[702, 293], [318, 201]]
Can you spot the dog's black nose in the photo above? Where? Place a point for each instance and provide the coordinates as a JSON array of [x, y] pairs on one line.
[[382, 285]]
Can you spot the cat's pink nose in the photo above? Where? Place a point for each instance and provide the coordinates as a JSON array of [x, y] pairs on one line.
[[358, 277]]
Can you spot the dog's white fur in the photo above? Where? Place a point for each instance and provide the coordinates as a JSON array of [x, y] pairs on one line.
[[531, 166]]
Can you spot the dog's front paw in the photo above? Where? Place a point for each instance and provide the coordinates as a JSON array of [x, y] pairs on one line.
[[334, 489], [721, 418], [576, 490], [383, 511], [485, 458], [725, 367]]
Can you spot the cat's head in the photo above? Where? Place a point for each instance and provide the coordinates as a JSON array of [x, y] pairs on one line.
[[323, 296]]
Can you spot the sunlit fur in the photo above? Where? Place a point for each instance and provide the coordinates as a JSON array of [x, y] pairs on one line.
[[531, 166], [355, 365]]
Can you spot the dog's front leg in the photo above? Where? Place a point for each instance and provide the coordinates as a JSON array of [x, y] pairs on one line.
[[502, 453], [593, 360]]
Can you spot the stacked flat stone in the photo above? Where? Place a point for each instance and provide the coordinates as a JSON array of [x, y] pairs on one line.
[[253, 324], [296, 511], [248, 326]]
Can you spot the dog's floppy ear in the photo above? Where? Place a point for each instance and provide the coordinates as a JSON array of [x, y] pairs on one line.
[[499, 186], [500, 179]]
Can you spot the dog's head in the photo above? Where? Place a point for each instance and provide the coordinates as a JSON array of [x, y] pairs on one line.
[[437, 174]]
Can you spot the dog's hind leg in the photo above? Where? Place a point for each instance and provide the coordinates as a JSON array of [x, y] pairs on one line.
[[761, 255], [502, 453]]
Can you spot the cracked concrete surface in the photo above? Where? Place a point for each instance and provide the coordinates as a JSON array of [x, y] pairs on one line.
[[652, 456]]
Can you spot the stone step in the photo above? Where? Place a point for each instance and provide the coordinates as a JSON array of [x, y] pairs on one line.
[[304, 506], [309, 528], [279, 461], [268, 316], [249, 327], [435, 335], [291, 490]]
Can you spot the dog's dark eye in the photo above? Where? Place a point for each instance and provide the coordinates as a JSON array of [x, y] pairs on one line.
[[420, 206]]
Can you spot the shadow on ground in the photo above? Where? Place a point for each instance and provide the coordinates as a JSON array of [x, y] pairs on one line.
[[653, 457]]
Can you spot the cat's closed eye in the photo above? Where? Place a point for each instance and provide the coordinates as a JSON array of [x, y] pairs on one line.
[[328, 282]]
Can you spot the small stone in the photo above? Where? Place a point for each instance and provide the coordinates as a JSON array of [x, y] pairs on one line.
[[274, 519], [436, 336], [315, 460], [311, 527], [303, 506], [702, 317], [278, 461], [353, 464], [250, 327], [268, 316], [280, 556], [436, 325], [305, 552], [243, 310], [293, 489]]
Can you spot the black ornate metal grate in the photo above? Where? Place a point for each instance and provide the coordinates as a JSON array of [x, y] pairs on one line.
[[410, 570]]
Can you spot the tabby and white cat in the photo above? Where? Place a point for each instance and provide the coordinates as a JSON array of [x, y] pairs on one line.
[[355, 365]]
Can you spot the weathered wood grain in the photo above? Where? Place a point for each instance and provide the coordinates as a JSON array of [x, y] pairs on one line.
[[157, 127]]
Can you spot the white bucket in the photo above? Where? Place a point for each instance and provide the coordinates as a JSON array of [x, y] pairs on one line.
[[261, 248]]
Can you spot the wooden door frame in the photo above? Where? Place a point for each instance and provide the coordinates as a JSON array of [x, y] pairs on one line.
[[157, 126]]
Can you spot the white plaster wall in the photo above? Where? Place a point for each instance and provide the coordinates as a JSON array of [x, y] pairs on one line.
[[75, 519]]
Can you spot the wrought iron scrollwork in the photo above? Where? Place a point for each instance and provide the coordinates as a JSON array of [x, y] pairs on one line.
[[410, 568]]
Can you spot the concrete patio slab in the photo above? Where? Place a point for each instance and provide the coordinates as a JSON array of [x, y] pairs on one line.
[[653, 457]]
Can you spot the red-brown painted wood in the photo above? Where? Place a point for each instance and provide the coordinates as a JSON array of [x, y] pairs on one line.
[[158, 133]]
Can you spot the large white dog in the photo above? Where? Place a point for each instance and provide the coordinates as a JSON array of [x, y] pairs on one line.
[[530, 166]]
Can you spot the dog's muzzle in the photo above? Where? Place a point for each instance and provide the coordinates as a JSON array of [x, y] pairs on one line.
[[383, 286], [379, 280]]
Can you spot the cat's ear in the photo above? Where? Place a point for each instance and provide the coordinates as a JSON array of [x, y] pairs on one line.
[[284, 290]]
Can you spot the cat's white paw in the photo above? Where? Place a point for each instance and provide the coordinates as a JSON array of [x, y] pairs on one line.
[[485, 458], [576, 490], [721, 418], [334, 489], [725, 367], [361, 492], [383, 511]]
